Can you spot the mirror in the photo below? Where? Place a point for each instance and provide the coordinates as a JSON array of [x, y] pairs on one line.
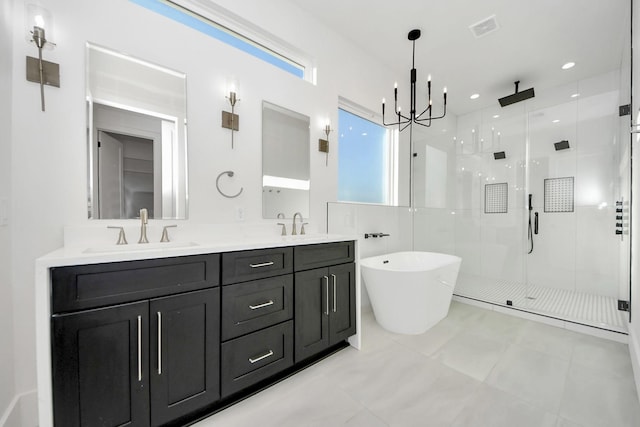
[[285, 162], [136, 135]]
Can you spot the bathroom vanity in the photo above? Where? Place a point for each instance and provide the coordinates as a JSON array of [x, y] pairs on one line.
[[170, 336]]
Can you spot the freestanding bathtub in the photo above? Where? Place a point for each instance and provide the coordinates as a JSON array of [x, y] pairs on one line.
[[410, 291]]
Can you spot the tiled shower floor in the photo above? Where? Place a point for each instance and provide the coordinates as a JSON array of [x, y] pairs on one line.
[[476, 368], [592, 310]]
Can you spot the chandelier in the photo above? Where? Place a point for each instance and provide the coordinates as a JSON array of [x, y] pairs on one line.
[[425, 117]]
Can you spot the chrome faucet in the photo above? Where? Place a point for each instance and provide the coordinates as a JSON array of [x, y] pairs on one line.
[[293, 226], [144, 218]]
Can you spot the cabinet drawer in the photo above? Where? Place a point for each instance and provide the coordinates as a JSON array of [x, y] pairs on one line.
[[96, 285], [250, 306], [308, 257], [257, 264], [255, 357]]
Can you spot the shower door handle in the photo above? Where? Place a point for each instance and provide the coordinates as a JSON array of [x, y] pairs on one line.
[[535, 223]]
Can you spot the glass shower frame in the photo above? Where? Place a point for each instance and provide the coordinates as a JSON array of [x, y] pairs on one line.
[[578, 262]]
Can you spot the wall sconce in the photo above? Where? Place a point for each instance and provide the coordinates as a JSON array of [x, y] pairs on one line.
[[230, 120], [323, 144], [43, 72]]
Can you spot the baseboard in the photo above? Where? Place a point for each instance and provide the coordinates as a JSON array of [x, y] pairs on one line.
[[22, 411], [634, 352]]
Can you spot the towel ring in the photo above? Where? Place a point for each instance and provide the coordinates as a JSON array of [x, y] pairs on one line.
[[229, 174]]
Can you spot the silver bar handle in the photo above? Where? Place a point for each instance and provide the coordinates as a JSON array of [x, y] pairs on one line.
[[263, 264], [327, 291], [335, 298], [259, 358], [159, 343], [266, 304], [139, 348]]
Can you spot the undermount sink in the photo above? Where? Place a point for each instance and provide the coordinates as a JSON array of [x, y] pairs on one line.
[[134, 247]]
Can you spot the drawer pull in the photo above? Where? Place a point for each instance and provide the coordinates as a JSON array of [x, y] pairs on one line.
[[266, 304], [263, 264], [264, 356]]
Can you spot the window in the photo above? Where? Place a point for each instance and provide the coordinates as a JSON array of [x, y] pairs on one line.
[[249, 39], [366, 161]]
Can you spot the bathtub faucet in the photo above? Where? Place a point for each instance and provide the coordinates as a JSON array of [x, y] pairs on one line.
[[374, 235]]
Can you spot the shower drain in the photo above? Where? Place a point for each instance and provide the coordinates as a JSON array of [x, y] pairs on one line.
[[529, 297]]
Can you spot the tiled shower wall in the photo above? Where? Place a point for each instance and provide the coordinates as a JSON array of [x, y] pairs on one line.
[[576, 250]]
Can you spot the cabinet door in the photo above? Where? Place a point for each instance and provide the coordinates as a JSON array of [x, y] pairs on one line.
[[185, 354], [311, 321], [342, 310], [100, 369]]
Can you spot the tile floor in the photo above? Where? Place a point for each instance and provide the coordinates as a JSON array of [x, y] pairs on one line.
[[477, 367]]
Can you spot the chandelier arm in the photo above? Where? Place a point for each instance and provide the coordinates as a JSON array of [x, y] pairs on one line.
[[403, 116], [444, 113], [425, 110], [405, 126], [395, 123], [422, 124]]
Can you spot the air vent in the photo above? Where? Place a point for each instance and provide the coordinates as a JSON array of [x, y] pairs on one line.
[[484, 27]]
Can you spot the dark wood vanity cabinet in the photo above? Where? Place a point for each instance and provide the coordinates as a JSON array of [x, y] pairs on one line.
[[142, 363], [257, 313], [98, 375], [324, 298], [184, 354], [156, 342]]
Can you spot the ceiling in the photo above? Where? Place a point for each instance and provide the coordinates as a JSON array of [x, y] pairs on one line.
[[535, 38]]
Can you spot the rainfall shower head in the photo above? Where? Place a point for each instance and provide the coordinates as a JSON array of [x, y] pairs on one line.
[[516, 97], [498, 155], [562, 145]]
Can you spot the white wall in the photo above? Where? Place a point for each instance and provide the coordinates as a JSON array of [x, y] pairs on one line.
[[7, 389], [48, 150]]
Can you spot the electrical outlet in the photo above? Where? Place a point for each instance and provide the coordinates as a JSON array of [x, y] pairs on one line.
[[239, 213]]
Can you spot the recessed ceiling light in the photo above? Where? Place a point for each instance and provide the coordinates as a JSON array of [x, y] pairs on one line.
[[568, 65], [496, 116], [475, 96], [575, 95], [555, 121]]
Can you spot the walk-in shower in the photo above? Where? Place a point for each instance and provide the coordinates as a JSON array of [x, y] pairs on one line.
[[538, 229]]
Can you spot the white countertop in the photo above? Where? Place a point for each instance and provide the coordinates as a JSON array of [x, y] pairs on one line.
[[90, 254]]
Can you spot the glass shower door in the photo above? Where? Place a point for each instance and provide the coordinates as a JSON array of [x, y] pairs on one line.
[[575, 174]]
